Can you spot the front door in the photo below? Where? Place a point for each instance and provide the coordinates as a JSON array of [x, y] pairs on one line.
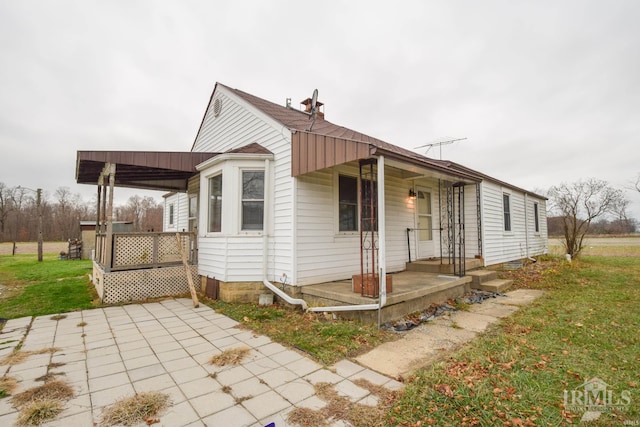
[[424, 221]]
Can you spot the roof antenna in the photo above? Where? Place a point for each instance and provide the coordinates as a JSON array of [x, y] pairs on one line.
[[439, 144], [314, 109]]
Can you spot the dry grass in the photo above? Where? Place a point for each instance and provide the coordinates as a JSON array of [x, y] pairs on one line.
[[39, 412], [49, 376], [339, 408], [59, 317], [40, 404], [232, 356], [52, 390], [624, 246], [7, 386], [18, 356], [142, 407]]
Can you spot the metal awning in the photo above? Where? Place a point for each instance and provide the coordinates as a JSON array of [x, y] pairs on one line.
[[311, 152], [152, 170]]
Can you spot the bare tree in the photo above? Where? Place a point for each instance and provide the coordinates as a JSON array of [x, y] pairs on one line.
[[6, 205], [581, 202]]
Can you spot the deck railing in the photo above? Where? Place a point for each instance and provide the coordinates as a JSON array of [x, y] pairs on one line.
[[131, 251]]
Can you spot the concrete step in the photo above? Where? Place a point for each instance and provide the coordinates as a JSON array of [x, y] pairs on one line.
[[481, 276], [441, 267], [496, 285]]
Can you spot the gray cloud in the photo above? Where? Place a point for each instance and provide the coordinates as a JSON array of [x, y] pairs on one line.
[[544, 91]]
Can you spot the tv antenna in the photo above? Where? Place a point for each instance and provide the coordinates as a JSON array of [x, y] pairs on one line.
[[440, 144]]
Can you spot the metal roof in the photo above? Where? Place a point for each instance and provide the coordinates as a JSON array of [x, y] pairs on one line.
[[322, 146], [305, 159], [152, 170]]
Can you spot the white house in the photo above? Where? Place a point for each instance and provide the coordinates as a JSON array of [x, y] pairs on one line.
[[283, 200], [279, 194]]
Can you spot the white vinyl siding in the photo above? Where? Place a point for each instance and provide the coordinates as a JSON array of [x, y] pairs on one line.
[[180, 213], [239, 257], [324, 254], [501, 246]]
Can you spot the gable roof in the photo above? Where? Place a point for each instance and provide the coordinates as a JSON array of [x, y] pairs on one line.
[[298, 121]]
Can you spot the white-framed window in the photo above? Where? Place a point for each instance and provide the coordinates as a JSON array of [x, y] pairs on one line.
[[252, 200], [193, 211], [171, 214], [536, 217], [215, 204], [506, 207], [347, 203]]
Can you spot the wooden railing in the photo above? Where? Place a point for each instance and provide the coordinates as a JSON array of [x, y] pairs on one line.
[[129, 251]]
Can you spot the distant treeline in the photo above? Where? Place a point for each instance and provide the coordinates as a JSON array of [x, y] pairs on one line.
[[62, 213], [603, 226]]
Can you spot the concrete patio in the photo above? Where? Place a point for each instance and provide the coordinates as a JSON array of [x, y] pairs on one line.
[[110, 353]]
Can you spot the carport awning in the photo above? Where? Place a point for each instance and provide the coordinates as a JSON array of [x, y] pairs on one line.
[[152, 170]]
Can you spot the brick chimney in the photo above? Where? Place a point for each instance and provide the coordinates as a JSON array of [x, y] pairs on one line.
[[307, 107]]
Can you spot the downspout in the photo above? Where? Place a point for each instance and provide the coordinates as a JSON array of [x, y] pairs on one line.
[[526, 227], [267, 218], [265, 242]]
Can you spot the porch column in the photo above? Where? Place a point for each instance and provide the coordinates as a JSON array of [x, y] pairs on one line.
[[96, 240], [382, 235], [111, 169]]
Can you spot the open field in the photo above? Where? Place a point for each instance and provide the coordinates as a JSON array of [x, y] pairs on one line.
[[23, 248], [602, 246]]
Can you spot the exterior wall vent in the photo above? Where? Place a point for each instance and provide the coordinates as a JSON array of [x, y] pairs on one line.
[[217, 107]]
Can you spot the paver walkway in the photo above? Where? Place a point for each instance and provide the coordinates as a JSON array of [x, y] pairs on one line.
[[110, 353], [428, 342]]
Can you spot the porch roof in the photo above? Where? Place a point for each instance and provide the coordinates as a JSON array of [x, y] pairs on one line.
[[152, 170], [312, 151]]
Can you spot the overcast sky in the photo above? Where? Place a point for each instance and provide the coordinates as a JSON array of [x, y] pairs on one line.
[[545, 91]]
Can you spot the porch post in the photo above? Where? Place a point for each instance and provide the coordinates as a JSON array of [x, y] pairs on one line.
[[109, 247], [382, 238], [96, 240]]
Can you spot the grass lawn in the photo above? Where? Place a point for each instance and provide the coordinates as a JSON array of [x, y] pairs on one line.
[[587, 325], [32, 288], [322, 337]]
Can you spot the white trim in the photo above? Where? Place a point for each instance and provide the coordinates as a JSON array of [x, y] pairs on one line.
[[231, 156], [255, 111], [241, 171]]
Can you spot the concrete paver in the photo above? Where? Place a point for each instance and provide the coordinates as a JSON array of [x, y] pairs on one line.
[[428, 342], [112, 353]]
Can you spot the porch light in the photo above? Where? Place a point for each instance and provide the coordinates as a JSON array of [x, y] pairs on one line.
[[412, 194]]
